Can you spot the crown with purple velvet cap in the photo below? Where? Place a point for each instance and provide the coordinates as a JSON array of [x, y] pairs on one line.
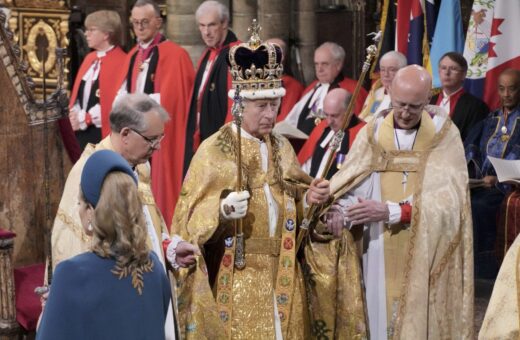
[[256, 68]]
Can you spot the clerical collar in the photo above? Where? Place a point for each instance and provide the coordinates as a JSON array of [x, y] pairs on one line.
[[101, 54]]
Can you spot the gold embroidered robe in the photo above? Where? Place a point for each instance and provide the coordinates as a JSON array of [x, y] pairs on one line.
[[250, 309], [68, 237], [502, 320], [436, 296]]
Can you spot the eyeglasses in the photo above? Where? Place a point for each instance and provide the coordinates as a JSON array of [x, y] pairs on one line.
[[388, 69], [453, 69], [145, 23], [154, 142], [411, 108]]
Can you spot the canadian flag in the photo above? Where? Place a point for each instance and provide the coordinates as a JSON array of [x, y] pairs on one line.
[[504, 49]]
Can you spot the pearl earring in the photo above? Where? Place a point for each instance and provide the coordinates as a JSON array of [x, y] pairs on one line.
[[89, 227]]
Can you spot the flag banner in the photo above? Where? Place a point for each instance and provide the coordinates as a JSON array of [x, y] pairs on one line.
[[448, 36], [477, 45], [504, 49]]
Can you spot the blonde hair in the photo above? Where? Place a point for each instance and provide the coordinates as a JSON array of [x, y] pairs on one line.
[[108, 22], [119, 228]]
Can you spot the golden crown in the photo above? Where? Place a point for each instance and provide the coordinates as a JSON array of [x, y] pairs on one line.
[[256, 67]]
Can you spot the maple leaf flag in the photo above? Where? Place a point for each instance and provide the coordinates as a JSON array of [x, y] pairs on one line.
[[504, 50]]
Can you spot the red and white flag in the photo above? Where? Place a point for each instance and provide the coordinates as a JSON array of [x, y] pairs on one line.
[[504, 49]]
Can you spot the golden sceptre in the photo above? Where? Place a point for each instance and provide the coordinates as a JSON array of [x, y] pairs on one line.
[[237, 110], [338, 137]]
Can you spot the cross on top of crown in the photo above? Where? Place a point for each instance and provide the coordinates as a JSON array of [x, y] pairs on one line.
[[254, 29]]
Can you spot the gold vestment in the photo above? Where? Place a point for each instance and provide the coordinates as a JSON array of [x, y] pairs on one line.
[[436, 281], [502, 320]]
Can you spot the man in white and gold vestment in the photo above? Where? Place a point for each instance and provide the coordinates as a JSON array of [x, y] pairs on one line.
[[404, 188]]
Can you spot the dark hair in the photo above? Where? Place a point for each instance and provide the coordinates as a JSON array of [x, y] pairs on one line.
[[458, 58], [141, 3]]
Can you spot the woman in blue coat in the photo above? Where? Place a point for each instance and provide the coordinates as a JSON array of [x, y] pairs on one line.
[[118, 290]]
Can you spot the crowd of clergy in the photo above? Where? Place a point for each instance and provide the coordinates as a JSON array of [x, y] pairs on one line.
[[230, 201]]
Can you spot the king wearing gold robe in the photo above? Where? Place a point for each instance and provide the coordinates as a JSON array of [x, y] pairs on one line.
[[266, 299]]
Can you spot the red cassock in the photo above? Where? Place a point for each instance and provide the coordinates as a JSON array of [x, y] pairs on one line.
[[173, 79], [293, 93], [307, 149], [349, 85], [108, 84]]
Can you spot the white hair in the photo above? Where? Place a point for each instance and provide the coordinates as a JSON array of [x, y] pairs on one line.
[[212, 5], [397, 56], [338, 53]]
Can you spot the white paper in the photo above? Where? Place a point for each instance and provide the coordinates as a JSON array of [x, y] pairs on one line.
[[507, 170]]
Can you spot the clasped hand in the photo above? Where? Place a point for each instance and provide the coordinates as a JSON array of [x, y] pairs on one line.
[[366, 211]]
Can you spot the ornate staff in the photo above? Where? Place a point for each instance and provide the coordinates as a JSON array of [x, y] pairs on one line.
[[237, 110], [338, 137]]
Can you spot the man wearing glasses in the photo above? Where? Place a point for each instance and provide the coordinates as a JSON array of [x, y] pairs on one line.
[[162, 69], [138, 124], [403, 190], [378, 98], [465, 109]]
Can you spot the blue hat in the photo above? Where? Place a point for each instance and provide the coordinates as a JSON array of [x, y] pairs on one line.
[[97, 167]]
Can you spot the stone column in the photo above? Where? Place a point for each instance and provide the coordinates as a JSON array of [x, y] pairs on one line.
[[182, 26], [8, 324], [244, 11], [274, 17], [306, 35]]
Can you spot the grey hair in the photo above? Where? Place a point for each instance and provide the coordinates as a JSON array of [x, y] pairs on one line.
[[338, 53], [206, 6], [142, 3], [398, 56], [130, 109]]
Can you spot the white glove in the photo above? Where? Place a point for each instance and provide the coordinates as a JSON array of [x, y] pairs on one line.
[[234, 206], [95, 114]]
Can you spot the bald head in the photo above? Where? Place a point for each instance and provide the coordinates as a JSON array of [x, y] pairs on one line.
[[410, 92], [414, 79], [335, 106]]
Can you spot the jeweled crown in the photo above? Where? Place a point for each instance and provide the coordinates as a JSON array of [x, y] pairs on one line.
[[256, 67]]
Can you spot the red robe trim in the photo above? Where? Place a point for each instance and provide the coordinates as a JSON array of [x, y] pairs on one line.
[[174, 77], [349, 85], [453, 99], [307, 150], [229, 116], [108, 85], [294, 90]]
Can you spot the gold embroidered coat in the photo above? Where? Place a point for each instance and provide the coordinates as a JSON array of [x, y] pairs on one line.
[[216, 301]]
